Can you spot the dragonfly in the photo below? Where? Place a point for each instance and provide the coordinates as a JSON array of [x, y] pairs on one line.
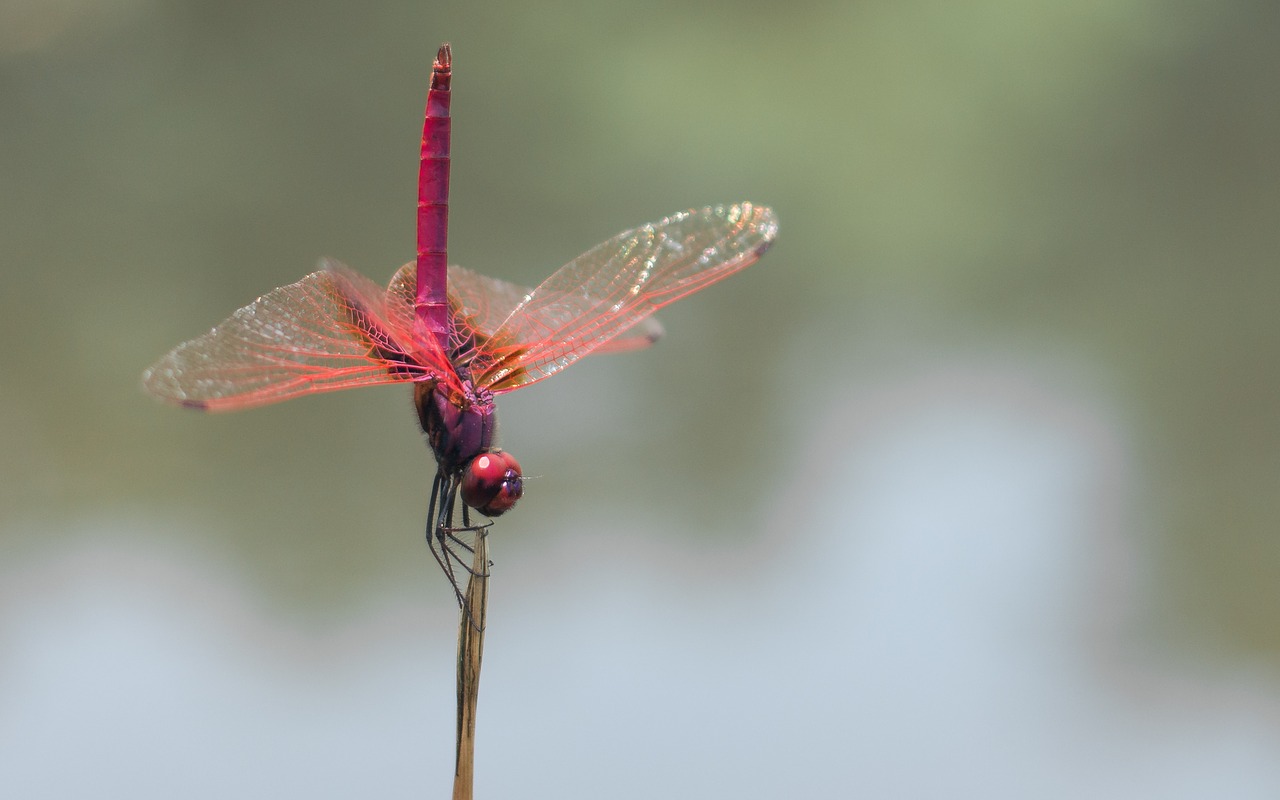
[[457, 337]]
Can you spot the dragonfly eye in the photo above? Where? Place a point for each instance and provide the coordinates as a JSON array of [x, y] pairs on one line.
[[491, 483]]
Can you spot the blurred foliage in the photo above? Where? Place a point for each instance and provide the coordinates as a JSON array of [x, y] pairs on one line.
[[1094, 177]]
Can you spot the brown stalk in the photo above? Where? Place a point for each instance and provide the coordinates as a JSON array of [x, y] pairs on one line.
[[470, 652]]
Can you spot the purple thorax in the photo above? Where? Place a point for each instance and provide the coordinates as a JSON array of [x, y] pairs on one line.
[[458, 429]]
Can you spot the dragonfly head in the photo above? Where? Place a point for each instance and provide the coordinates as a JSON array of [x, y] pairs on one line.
[[491, 483]]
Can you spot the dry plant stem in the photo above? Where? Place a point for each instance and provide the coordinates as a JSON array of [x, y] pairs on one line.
[[470, 652]]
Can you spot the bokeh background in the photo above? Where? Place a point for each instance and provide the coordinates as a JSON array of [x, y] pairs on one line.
[[970, 488]]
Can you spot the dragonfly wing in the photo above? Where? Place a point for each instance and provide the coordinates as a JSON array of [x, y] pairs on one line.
[[616, 285], [487, 302], [328, 331], [400, 297], [477, 305], [639, 336]]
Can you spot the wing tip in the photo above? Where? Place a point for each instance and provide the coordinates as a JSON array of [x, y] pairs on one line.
[[652, 332], [153, 385], [750, 220], [330, 264], [762, 218]]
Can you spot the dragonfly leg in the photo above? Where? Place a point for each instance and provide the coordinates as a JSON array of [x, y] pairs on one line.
[[444, 542], [451, 543], [446, 536], [449, 540], [479, 530], [438, 525]]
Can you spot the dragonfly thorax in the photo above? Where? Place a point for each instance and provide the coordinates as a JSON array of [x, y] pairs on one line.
[[459, 427], [459, 424]]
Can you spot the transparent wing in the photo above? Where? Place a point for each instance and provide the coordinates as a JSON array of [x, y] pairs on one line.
[[330, 330], [616, 285], [487, 302]]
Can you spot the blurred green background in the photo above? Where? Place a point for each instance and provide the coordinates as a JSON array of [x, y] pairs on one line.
[[1051, 222]]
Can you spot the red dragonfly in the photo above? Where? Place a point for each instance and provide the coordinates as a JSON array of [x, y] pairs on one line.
[[459, 340]]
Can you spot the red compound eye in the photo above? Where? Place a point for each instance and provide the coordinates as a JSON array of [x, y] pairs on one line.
[[491, 483]]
